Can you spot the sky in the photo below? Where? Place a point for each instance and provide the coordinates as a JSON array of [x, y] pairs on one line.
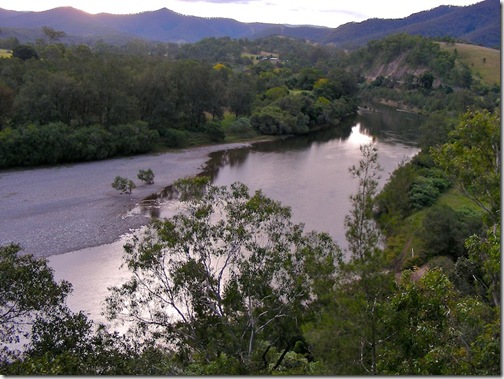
[[330, 13]]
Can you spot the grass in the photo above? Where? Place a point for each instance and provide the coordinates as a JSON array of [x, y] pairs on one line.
[[262, 53], [483, 61], [456, 200], [5, 53], [406, 240]]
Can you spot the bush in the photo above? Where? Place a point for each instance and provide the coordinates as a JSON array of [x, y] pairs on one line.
[[146, 176], [273, 120], [174, 137], [123, 185], [444, 263], [214, 131], [423, 193], [444, 230], [242, 127]]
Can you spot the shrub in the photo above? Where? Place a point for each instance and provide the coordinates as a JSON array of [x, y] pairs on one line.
[[242, 127], [123, 185], [423, 193], [174, 137], [146, 176], [214, 131]]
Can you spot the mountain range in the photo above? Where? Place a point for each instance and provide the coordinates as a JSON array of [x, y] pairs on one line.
[[477, 24]]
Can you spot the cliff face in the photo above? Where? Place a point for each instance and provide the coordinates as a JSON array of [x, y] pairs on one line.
[[396, 69]]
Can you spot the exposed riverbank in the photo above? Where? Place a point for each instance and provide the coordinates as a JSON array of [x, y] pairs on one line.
[[60, 209]]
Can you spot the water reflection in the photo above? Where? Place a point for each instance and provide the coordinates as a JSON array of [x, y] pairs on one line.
[[307, 173], [358, 137]]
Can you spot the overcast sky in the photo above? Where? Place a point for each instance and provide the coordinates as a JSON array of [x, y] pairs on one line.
[[331, 13]]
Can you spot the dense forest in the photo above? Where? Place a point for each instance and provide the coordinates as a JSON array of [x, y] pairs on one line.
[[231, 285]]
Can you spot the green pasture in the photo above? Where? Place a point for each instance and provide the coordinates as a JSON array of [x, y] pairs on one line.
[[485, 62], [5, 53]]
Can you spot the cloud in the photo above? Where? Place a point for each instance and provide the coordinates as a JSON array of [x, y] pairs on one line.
[[340, 12], [350, 13]]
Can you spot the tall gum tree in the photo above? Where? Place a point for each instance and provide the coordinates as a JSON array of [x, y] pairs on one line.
[[230, 274]]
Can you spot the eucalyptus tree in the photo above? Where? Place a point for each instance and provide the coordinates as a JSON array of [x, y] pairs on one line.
[[353, 317], [472, 156], [28, 293], [432, 330], [229, 276]]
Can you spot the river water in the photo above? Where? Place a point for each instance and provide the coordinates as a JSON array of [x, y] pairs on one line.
[[307, 173]]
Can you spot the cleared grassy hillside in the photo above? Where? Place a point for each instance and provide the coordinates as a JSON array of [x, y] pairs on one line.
[[483, 61], [5, 53]]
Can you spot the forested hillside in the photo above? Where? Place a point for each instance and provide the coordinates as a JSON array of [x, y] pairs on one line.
[[479, 23], [232, 286], [87, 104]]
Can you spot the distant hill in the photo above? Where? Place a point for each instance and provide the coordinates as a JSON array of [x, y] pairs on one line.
[[485, 63], [478, 24]]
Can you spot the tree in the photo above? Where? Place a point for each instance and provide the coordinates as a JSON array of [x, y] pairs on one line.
[[485, 252], [353, 317], [434, 332], [366, 258], [444, 231], [24, 52], [123, 185], [240, 95], [473, 157], [27, 292], [229, 275], [362, 233], [53, 34]]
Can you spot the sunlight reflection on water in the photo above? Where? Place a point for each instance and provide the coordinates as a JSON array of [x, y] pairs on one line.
[[309, 175]]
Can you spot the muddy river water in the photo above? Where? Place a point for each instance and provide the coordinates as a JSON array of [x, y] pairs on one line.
[[73, 216]]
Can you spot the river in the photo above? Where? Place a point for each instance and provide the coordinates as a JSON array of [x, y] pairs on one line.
[[307, 173]]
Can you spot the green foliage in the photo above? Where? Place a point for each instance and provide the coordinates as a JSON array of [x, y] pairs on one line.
[[362, 234], [276, 93], [427, 187], [423, 193], [435, 128], [133, 138], [352, 316], [485, 252], [59, 143], [444, 231], [124, 185], [228, 272], [174, 138], [430, 79], [146, 176], [214, 131], [272, 120], [472, 157], [432, 332], [133, 105], [393, 201], [24, 52], [242, 127], [27, 292]]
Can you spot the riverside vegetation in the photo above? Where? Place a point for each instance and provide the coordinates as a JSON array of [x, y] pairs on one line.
[[230, 285]]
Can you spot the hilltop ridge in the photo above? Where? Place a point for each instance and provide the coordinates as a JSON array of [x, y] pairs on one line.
[[477, 24]]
